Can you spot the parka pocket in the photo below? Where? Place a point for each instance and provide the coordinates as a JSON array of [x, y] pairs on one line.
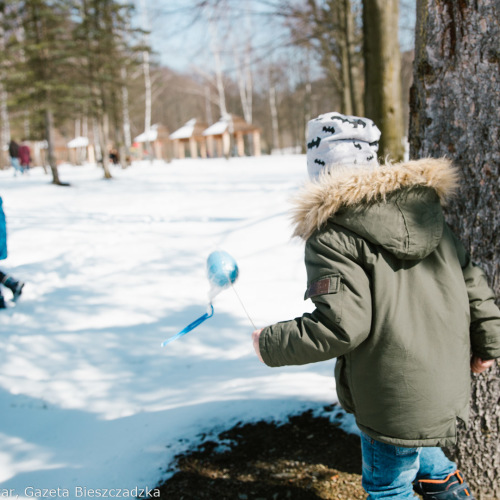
[[342, 385]]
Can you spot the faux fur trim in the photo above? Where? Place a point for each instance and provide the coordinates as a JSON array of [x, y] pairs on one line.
[[339, 188]]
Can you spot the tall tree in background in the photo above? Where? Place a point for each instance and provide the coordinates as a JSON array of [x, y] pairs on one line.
[[99, 53], [148, 101], [4, 113], [383, 103], [42, 49], [243, 63], [455, 111], [105, 49]]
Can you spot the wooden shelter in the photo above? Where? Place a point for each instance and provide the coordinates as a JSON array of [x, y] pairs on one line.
[[60, 149], [157, 136], [219, 136], [191, 133], [80, 150], [59, 143]]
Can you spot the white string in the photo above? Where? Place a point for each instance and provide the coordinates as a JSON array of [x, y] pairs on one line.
[[226, 272], [244, 308]]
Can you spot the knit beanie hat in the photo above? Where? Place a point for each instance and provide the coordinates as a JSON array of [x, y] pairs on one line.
[[336, 140]]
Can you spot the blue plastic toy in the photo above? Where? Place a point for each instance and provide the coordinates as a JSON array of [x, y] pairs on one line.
[[222, 272]]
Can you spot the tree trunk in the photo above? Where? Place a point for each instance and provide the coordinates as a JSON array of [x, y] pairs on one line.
[[274, 117], [347, 105], [383, 102], [103, 128], [455, 112], [345, 42], [4, 113], [5, 125], [97, 140], [244, 77], [49, 127], [220, 83], [147, 104], [208, 106], [349, 35], [127, 138]]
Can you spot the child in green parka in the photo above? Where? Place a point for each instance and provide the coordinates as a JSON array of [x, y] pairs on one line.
[[398, 303]]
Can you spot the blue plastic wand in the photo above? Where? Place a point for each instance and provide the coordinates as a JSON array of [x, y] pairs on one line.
[[190, 327]]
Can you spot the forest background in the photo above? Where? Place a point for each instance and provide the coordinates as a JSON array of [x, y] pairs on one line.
[[115, 68]]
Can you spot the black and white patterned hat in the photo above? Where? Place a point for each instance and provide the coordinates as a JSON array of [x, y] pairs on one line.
[[334, 140]]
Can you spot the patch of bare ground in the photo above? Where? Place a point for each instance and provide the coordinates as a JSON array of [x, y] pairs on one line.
[[307, 458]]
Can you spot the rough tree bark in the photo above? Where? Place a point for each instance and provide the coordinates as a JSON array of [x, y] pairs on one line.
[[383, 102], [455, 112]]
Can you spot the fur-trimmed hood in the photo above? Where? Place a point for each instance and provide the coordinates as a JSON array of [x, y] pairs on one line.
[[397, 206]]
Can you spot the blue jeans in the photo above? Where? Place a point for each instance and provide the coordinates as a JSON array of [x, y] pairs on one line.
[[16, 165], [389, 471]]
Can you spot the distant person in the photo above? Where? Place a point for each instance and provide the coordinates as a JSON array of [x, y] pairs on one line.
[[15, 286], [14, 156], [114, 156], [24, 156], [398, 302]]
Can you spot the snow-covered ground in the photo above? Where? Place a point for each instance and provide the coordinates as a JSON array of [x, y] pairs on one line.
[[89, 400]]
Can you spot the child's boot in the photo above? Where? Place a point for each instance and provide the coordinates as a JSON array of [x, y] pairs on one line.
[[15, 285], [3, 305], [451, 488]]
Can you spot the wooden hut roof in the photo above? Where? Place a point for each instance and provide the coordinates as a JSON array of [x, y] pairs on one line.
[[238, 125], [156, 132], [193, 128], [78, 142]]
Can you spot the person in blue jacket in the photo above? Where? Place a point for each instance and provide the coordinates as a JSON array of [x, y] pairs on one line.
[[14, 285]]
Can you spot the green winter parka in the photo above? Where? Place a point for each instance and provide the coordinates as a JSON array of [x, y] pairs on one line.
[[398, 301]]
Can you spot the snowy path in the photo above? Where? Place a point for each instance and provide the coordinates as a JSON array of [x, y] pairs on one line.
[[88, 398]]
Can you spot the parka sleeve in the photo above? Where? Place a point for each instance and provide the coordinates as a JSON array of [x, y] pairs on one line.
[[484, 313], [340, 290]]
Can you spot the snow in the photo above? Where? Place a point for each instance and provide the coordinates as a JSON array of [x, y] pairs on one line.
[[217, 128], [78, 142], [88, 397], [186, 131], [148, 136]]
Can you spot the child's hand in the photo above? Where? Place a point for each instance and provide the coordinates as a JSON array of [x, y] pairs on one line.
[[477, 365], [255, 339]]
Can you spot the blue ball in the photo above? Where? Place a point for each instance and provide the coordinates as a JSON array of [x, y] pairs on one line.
[[222, 269]]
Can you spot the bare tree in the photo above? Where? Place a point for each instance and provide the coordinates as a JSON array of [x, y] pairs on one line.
[[243, 61], [329, 29], [127, 138], [212, 18], [274, 114], [147, 79], [455, 111]]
